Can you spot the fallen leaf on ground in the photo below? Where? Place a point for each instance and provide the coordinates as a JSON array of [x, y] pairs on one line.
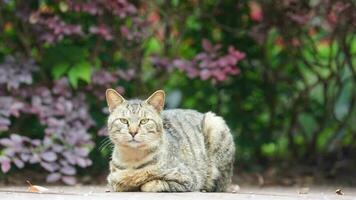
[[233, 188], [304, 190], [35, 188], [339, 192], [260, 179], [286, 181]]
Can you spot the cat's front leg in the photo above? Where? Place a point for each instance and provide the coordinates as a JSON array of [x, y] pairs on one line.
[[114, 179], [114, 182], [163, 186], [130, 180], [173, 180], [120, 181]]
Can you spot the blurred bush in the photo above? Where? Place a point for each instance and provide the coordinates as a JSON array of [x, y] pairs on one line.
[[282, 73]]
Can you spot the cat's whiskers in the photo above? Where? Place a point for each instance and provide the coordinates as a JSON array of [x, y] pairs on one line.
[[101, 143], [104, 144]]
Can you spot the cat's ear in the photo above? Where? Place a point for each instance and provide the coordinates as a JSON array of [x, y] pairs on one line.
[[113, 99], [157, 100]]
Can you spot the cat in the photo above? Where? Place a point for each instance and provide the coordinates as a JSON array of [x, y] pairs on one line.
[[158, 150]]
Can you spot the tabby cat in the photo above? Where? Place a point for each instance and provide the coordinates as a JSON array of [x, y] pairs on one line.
[[158, 150]]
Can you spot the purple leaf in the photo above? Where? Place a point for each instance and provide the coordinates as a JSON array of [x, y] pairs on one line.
[[16, 138], [5, 165], [82, 162], [36, 142], [34, 159], [49, 156], [81, 151], [53, 177], [6, 142], [57, 148], [10, 151], [207, 45], [70, 157], [102, 30], [18, 163], [205, 74], [51, 167], [24, 157], [68, 170], [70, 180], [209, 64], [4, 121], [103, 131], [4, 127]]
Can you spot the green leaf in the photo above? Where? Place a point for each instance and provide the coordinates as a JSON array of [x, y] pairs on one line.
[[97, 63], [175, 3], [317, 93], [59, 70], [269, 149], [80, 71], [308, 122], [324, 136], [273, 50], [186, 50], [353, 45], [217, 34], [342, 104], [325, 49], [282, 145], [153, 46], [63, 53], [310, 77], [63, 6], [117, 56], [193, 23]]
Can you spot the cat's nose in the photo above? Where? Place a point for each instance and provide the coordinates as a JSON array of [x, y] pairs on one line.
[[133, 133]]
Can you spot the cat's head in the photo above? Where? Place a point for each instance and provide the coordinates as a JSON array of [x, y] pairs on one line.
[[135, 123]]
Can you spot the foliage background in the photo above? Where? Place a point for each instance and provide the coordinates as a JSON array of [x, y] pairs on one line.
[[282, 73]]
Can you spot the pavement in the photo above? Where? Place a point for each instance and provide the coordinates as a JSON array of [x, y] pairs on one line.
[[245, 192]]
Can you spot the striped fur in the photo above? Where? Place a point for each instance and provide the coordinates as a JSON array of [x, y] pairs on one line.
[[176, 150]]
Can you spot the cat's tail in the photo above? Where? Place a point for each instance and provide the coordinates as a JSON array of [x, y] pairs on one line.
[[216, 132], [220, 149], [214, 128]]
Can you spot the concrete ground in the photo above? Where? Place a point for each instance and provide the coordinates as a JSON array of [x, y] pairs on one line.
[[100, 192]]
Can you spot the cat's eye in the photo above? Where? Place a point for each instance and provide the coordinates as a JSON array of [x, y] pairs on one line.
[[143, 121], [124, 121]]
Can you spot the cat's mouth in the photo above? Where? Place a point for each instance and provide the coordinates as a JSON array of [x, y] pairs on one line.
[[133, 141]]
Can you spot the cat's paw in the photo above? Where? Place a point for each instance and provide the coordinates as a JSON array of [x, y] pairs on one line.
[[116, 182], [113, 184], [154, 186]]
